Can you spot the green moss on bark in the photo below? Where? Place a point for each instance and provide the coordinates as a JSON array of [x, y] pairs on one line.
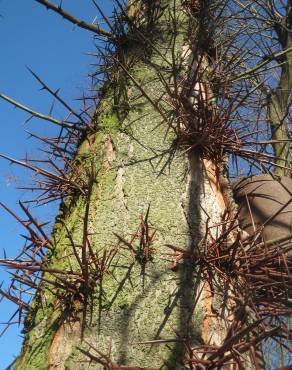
[[141, 171]]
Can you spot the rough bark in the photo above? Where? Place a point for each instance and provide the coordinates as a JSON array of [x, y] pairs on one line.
[[136, 170], [279, 99]]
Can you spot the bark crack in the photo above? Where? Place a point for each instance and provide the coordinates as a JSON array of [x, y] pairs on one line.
[[120, 190]]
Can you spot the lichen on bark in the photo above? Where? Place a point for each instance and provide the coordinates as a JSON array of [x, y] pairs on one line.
[[137, 168]]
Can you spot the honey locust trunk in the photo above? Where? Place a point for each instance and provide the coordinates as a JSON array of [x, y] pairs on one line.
[[133, 296]]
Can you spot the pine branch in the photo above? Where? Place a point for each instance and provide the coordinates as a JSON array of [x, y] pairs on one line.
[[78, 22]]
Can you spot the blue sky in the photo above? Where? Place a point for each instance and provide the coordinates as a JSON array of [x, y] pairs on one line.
[[56, 50]]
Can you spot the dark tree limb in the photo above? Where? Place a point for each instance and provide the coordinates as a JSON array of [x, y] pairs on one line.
[[78, 22], [63, 124]]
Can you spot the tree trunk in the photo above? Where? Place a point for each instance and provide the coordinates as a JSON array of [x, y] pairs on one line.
[[279, 99], [140, 300]]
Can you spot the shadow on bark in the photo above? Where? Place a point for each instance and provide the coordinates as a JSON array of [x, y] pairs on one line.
[[188, 284]]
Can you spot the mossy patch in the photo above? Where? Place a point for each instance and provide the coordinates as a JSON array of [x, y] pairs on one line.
[[108, 122]]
